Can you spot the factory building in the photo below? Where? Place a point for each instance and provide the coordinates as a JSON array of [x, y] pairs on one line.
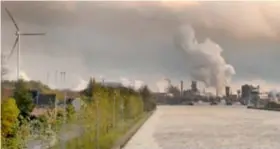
[[194, 86], [247, 91], [227, 89]]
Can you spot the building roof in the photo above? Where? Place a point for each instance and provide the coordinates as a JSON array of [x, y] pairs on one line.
[[71, 94], [6, 93], [112, 84], [45, 100]]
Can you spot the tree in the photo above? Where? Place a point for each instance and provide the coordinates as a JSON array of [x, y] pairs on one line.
[[70, 111], [9, 115], [145, 92], [23, 98], [89, 91], [146, 95]]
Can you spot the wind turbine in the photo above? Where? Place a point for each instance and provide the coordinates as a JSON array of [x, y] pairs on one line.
[[17, 41]]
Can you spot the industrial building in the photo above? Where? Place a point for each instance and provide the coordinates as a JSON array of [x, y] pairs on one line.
[[246, 92]]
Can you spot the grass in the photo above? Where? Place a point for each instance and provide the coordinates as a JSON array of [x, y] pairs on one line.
[[105, 141]]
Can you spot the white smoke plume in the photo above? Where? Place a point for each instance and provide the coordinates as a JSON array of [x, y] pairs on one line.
[[138, 84], [82, 85], [205, 60], [126, 82], [24, 76], [12, 75], [135, 84], [163, 85]]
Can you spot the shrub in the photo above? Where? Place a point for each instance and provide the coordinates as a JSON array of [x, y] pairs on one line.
[[9, 115], [70, 111], [23, 99]]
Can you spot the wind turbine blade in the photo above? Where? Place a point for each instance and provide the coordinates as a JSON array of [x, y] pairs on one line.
[[33, 34], [10, 15], [13, 49]]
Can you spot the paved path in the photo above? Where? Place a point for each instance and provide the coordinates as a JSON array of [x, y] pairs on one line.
[[208, 127]]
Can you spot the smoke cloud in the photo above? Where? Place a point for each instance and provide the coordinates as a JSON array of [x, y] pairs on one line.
[[24, 76], [125, 82], [135, 84], [242, 20], [163, 85], [138, 84], [205, 60], [12, 75], [82, 85]]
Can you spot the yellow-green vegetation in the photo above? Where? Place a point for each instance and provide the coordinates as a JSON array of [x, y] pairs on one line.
[[9, 115], [108, 113], [12, 132]]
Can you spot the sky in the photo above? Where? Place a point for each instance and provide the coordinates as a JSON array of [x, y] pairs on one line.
[[135, 40]]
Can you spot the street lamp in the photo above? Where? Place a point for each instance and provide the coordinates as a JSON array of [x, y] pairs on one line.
[[122, 111], [97, 123]]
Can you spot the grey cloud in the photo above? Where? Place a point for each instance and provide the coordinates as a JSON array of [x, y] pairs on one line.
[[136, 39]]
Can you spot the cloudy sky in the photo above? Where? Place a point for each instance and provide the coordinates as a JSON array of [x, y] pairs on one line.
[[135, 40]]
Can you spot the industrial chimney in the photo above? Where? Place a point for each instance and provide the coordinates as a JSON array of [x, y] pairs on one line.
[[227, 89], [182, 87]]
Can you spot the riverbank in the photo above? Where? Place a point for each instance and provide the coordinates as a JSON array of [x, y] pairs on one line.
[[269, 109], [115, 138], [121, 142]]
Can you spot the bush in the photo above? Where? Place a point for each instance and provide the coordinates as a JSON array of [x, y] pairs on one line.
[[23, 99], [70, 111], [9, 115], [116, 110]]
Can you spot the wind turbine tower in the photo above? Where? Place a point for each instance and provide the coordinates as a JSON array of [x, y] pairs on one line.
[[17, 41]]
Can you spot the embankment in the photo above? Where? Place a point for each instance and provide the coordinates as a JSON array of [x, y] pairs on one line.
[[120, 143]]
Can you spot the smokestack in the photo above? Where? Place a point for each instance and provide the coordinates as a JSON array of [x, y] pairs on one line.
[[182, 87], [227, 89]]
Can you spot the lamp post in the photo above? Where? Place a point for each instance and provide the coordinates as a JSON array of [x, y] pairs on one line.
[[114, 109], [122, 111], [97, 123]]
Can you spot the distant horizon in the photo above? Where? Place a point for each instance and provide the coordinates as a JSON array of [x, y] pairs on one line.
[[201, 87]]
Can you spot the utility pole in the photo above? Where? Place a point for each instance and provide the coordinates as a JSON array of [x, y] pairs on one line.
[[63, 87], [97, 123], [55, 83], [65, 96], [114, 113], [63, 143], [122, 112], [97, 119], [55, 101]]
